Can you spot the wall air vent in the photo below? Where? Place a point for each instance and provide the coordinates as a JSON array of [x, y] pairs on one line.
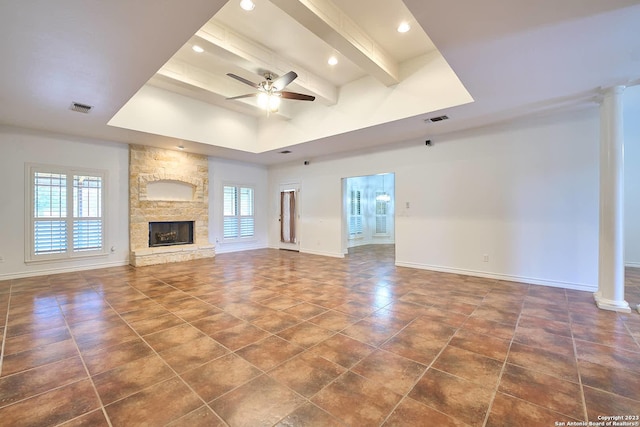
[[80, 108], [285, 152], [436, 119]]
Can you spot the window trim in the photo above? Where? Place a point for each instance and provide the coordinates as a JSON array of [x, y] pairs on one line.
[[69, 255], [238, 187]]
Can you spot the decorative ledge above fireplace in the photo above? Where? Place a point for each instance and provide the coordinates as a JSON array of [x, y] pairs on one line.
[[170, 233]]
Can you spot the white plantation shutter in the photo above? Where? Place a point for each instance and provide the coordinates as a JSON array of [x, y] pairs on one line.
[[67, 212], [381, 214], [238, 212], [355, 213]]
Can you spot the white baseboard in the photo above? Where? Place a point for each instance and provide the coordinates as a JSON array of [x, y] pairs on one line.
[[506, 277], [220, 249], [329, 254], [632, 264], [58, 270]]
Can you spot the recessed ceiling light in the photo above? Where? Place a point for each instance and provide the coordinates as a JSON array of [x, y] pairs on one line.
[[404, 27], [197, 48], [247, 4], [332, 60]]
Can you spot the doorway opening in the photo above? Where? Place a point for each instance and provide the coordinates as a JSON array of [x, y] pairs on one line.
[[368, 213]]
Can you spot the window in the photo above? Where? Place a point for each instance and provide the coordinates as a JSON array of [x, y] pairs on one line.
[[355, 213], [66, 212], [381, 212], [238, 212]]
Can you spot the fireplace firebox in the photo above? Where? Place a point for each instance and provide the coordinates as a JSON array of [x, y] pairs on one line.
[[169, 233]]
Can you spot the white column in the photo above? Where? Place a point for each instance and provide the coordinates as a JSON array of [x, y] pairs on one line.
[[610, 295]]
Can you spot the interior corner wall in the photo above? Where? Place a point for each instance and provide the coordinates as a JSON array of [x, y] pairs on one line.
[[523, 196], [20, 146], [631, 102], [223, 172]]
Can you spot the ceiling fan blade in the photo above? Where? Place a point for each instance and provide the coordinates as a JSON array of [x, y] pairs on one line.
[[297, 96], [249, 95], [243, 80], [282, 81]]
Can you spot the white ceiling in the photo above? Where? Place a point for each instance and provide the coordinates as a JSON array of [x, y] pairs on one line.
[[479, 63]]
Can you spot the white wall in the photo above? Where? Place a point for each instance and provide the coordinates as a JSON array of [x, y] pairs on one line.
[[223, 172], [632, 175], [525, 194], [20, 146]]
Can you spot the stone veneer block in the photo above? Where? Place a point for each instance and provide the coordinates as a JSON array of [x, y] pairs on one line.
[[150, 164]]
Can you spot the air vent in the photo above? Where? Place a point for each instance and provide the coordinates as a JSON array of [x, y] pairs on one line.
[[285, 152], [436, 119], [80, 108]]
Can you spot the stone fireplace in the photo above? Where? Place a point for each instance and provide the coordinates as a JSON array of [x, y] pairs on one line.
[[168, 206]]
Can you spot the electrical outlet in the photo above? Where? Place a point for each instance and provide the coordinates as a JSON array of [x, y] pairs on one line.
[[485, 258]]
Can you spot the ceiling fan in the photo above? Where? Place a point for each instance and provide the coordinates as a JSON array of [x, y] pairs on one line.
[[270, 91]]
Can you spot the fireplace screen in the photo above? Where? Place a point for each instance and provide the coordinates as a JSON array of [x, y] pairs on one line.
[[170, 233]]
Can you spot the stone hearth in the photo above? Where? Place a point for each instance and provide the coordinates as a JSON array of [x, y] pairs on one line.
[[167, 185]]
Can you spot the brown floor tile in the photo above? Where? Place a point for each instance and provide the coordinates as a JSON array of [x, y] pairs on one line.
[[30, 322], [394, 372], [622, 340], [38, 380], [53, 407], [260, 402], [216, 323], [615, 358], [485, 345], [489, 327], [562, 366], [374, 402], [276, 322], [239, 336], [309, 415], [494, 314], [172, 337], [470, 366], [201, 417], [428, 328], [357, 309], [156, 405], [415, 347], [414, 414], [39, 356], [130, 378], [534, 337], [307, 373], [156, 324], [545, 325], [510, 411], [305, 310], [102, 338], [152, 311], [219, 376], [371, 332], [36, 339], [104, 359], [602, 403], [269, 352], [342, 350], [92, 419], [534, 387], [618, 381], [305, 334], [333, 320], [280, 302], [456, 397], [193, 353]]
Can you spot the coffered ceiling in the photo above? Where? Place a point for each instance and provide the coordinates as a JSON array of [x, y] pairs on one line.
[[476, 62]]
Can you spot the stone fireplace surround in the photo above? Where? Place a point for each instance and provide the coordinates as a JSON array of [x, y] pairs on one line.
[[148, 166]]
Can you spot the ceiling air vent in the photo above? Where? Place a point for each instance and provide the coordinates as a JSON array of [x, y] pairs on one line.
[[80, 108], [436, 119]]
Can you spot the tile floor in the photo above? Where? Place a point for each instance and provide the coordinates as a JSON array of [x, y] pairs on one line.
[[271, 337]]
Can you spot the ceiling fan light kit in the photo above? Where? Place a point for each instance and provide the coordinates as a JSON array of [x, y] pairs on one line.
[[270, 91]]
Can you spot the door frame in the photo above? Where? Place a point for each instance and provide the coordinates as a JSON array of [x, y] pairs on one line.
[[288, 187]]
